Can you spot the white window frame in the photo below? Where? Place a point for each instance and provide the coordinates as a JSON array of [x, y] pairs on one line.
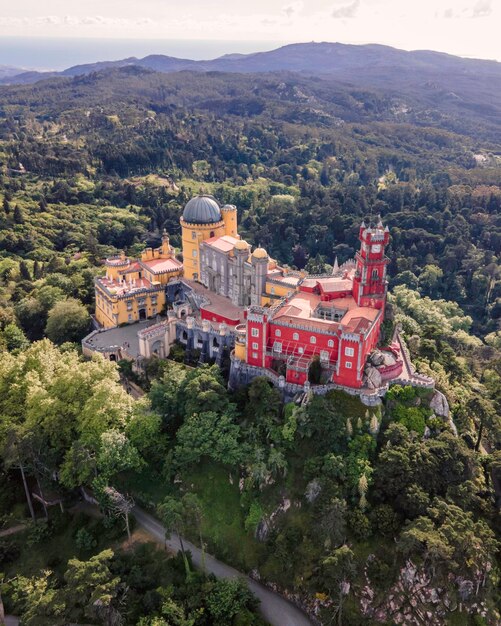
[[255, 345], [313, 339], [330, 343], [255, 332], [295, 336], [278, 332], [349, 351], [277, 347], [255, 355], [348, 365]]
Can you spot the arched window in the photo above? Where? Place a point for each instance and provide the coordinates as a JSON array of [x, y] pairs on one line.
[[313, 339], [295, 336], [195, 253], [375, 275], [330, 343], [278, 332], [211, 233]]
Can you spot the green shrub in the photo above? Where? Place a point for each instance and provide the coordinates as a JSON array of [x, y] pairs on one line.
[[359, 524], [254, 517], [85, 540], [385, 521]]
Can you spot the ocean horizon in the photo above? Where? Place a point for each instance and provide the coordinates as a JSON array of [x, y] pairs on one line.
[[44, 53]]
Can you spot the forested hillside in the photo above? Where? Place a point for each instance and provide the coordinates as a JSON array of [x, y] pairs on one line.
[[352, 511]]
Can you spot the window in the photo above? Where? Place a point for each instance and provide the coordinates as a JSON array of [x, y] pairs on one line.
[[277, 346], [254, 355], [349, 351], [348, 365], [272, 291], [195, 275], [375, 275], [278, 333], [324, 355], [193, 234], [295, 336], [330, 343], [255, 332], [130, 317], [300, 350], [255, 345], [313, 339], [195, 253]]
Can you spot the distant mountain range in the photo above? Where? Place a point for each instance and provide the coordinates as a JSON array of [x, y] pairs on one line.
[[448, 91], [339, 60]]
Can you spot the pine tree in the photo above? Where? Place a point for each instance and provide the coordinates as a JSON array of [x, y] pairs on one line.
[[363, 485], [37, 270], [24, 271], [349, 428], [6, 205], [18, 215], [374, 425]]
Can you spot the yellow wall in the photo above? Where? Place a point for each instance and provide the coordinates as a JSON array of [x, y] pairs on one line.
[[191, 244], [278, 290], [240, 351], [113, 311], [230, 221]]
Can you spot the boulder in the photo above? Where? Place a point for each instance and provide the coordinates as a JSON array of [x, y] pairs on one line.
[[439, 404], [262, 530], [376, 358], [373, 377]]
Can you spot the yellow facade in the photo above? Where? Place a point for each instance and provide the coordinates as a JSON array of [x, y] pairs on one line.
[[133, 290], [229, 214], [192, 237]]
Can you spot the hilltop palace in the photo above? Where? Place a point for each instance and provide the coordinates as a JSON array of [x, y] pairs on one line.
[[226, 301]]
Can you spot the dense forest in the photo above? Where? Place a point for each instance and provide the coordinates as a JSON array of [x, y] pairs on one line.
[[387, 515]]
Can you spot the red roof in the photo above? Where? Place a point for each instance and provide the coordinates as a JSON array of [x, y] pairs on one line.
[[226, 243], [160, 266]]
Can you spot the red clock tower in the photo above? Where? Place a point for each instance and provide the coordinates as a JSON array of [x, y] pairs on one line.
[[369, 283]]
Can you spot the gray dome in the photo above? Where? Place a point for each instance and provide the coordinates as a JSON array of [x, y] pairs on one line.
[[202, 210]]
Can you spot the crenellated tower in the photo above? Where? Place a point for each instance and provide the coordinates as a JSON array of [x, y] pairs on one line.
[[370, 283]]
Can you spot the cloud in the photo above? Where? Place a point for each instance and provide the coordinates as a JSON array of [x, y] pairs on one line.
[[72, 20], [293, 8], [483, 8], [346, 11], [449, 13]]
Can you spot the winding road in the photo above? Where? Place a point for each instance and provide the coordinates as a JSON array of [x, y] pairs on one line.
[[274, 608]]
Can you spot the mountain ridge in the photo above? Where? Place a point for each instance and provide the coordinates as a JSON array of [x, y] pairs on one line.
[[315, 58]]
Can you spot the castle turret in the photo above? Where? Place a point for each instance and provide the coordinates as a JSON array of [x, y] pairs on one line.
[[370, 281], [259, 260], [229, 214], [202, 219]]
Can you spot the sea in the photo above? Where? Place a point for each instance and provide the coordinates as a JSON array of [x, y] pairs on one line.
[[40, 53]]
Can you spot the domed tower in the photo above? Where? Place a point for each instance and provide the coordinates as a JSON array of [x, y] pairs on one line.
[[259, 261], [229, 213], [201, 220]]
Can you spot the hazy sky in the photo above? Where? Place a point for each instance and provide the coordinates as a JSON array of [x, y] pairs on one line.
[[464, 27]]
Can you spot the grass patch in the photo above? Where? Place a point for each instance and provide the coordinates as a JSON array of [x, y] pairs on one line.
[[223, 523]]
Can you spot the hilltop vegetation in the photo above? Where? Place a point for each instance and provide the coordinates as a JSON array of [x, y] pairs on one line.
[[340, 506]]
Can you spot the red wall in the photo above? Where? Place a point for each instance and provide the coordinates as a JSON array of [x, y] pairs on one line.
[[216, 317]]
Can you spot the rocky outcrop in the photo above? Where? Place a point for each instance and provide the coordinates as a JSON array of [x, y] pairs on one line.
[[439, 405], [372, 377]]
